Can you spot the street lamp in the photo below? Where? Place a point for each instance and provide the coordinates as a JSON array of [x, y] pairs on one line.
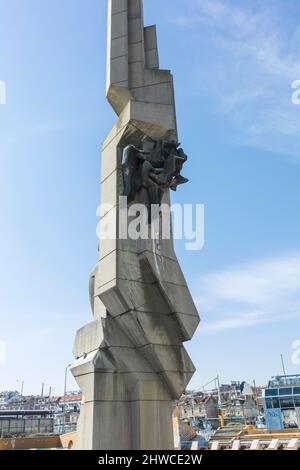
[[64, 402]]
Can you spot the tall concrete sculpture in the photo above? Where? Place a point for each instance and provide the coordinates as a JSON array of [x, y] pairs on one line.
[[130, 362]]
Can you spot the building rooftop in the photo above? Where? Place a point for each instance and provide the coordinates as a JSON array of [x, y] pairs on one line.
[[71, 397], [284, 380]]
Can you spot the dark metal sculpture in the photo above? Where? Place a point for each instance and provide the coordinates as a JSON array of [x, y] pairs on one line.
[[147, 173]]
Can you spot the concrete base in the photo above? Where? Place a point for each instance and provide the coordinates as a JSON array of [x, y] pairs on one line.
[[129, 409], [125, 425]]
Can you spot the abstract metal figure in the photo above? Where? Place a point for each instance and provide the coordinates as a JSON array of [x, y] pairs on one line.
[[153, 171]]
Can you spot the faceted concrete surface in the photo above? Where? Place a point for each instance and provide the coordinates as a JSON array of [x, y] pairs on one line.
[[130, 361]]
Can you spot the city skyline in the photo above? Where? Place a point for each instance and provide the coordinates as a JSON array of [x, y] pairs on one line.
[[243, 165]]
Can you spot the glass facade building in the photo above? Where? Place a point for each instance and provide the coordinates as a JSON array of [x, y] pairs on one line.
[[281, 401]]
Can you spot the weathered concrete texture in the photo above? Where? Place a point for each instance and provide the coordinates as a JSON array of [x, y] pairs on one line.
[[130, 361], [133, 63]]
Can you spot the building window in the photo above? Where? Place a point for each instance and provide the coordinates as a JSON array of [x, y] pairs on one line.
[[272, 403], [268, 403], [271, 392], [286, 403], [296, 390], [275, 402], [285, 391], [297, 402]]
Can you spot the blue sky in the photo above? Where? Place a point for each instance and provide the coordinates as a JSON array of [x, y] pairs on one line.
[[233, 62]]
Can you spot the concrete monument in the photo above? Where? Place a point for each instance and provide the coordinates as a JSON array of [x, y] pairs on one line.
[[130, 360]]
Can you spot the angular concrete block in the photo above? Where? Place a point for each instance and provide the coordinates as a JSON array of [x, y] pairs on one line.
[[188, 324], [110, 295], [150, 37], [107, 246], [135, 52], [109, 387], [151, 49], [88, 338], [149, 388], [179, 298], [152, 59], [120, 359], [115, 336], [111, 421], [135, 31], [108, 268], [164, 268], [159, 435], [117, 6], [99, 309], [119, 69], [135, 9], [177, 381], [150, 327], [109, 189], [119, 48], [119, 25], [110, 160], [157, 93]]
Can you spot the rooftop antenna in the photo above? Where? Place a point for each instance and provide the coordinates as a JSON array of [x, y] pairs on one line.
[[283, 366]]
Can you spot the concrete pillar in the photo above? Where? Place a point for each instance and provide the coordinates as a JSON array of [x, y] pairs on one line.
[[130, 360]]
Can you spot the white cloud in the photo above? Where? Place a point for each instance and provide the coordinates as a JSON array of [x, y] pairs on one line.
[[254, 59], [263, 291]]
